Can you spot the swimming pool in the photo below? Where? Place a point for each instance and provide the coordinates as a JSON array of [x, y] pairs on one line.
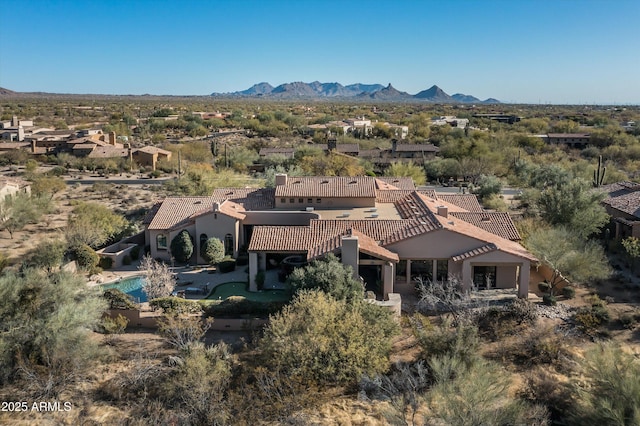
[[131, 286]]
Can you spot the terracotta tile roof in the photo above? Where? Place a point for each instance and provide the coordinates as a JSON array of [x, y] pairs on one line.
[[108, 152], [475, 252], [7, 146], [416, 147], [395, 183], [174, 211], [391, 196], [468, 202], [270, 151], [152, 150], [347, 147], [329, 186], [282, 239], [623, 196], [453, 224], [498, 223], [248, 198]]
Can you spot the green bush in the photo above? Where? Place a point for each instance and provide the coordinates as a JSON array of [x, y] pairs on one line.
[[260, 277], [126, 260], [113, 325], [568, 292], [544, 287], [227, 265], [175, 305], [549, 300], [589, 318], [106, 262], [237, 306], [118, 299], [86, 257], [135, 253]]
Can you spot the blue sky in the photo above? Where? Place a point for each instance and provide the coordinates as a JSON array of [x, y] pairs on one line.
[[528, 51]]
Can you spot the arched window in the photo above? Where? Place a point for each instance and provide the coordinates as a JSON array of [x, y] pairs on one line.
[[203, 241], [228, 245]]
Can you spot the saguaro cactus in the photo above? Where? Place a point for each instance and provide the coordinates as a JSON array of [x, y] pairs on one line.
[[598, 174]]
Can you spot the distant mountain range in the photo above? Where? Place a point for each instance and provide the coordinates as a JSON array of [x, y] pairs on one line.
[[358, 91]]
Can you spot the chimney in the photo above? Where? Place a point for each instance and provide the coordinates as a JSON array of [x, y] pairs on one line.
[[14, 121], [332, 144], [216, 206], [443, 211], [112, 138], [281, 179]]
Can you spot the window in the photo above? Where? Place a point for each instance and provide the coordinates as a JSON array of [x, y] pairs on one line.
[[161, 242], [422, 269], [309, 200], [228, 245], [484, 277], [283, 200], [318, 200], [300, 200]]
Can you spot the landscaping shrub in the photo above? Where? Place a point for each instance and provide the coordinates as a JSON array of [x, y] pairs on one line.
[[540, 346], [497, 322], [445, 340], [106, 262], [113, 325], [589, 318], [118, 299], [260, 276], [628, 321], [549, 300], [237, 306], [544, 287], [86, 257], [175, 305], [126, 260], [568, 292], [135, 253], [227, 265]]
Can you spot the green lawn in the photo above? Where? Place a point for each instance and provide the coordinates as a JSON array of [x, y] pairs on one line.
[[225, 290]]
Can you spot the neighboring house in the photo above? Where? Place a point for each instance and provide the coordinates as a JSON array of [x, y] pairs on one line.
[[416, 152], [271, 152], [572, 140], [451, 120], [150, 155], [11, 186], [389, 232], [623, 205]]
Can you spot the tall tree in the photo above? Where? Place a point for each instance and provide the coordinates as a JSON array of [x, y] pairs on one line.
[[93, 224], [568, 256], [160, 281], [182, 246]]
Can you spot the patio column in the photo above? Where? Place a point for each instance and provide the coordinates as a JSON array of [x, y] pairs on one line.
[[523, 284], [408, 271], [350, 254], [388, 272], [253, 270], [467, 275]]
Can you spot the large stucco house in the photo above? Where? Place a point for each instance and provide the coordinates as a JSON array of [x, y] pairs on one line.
[[386, 229]]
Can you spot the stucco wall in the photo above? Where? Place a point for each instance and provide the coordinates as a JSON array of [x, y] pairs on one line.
[[325, 202], [298, 218], [217, 225]]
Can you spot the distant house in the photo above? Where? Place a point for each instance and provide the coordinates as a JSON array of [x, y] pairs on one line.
[[623, 205], [11, 186], [451, 120], [149, 156], [571, 140], [386, 230], [283, 152]]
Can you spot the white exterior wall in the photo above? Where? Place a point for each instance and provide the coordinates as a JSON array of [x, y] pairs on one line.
[[218, 225]]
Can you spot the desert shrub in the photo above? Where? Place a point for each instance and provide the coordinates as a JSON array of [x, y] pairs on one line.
[[324, 340], [106, 262], [227, 265], [523, 311], [590, 318], [497, 322], [610, 395], [444, 339], [113, 325], [182, 331], [568, 292], [118, 299], [543, 388], [549, 300], [126, 260], [539, 346], [544, 287], [175, 305], [628, 320]]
